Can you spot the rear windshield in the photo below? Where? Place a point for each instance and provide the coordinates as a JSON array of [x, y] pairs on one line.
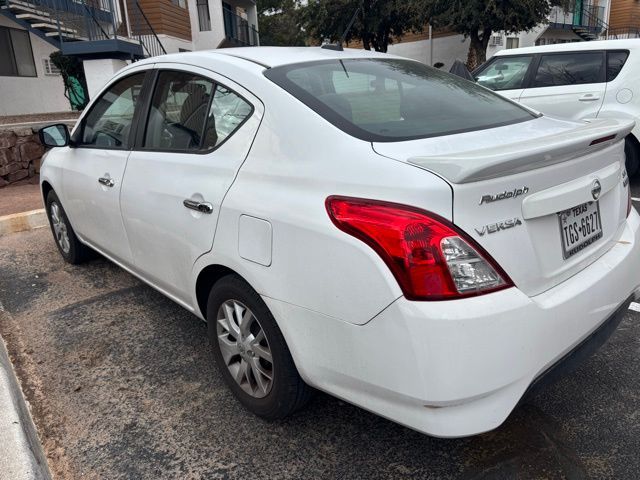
[[391, 100]]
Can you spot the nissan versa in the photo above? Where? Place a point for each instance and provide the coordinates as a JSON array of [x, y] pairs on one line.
[[355, 222]]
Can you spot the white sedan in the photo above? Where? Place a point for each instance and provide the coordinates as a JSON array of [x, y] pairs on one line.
[[356, 222]]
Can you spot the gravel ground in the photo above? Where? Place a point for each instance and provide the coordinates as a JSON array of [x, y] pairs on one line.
[[122, 385]]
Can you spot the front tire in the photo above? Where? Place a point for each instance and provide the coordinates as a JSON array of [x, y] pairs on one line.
[[632, 152], [71, 249], [251, 352]]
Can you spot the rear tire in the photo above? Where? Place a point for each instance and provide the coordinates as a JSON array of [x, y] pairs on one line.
[[632, 152], [251, 352], [72, 250]]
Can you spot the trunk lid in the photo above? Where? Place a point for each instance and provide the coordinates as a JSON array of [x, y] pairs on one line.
[[510, 185]]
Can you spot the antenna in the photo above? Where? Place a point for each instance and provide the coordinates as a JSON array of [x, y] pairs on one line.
[[338, 46]]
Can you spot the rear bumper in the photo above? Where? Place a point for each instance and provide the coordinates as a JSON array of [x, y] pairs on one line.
[[458, 368]]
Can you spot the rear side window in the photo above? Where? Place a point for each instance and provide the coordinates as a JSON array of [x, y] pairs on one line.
[[387, 100], [569, 69], [227, 113], [178, 112], [505, 73], [615, 62]]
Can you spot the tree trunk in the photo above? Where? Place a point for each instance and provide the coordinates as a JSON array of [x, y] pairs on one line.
[[478, 48]]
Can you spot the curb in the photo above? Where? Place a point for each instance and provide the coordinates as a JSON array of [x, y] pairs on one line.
[[21, 453], [19, 222]]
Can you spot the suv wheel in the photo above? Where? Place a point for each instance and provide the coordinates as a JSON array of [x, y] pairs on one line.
[[632, 152]]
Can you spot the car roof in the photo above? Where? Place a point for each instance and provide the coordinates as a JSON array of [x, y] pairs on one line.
[[269, 57], [627, 44]]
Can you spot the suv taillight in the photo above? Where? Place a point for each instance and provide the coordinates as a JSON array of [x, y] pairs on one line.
[[430, 257]]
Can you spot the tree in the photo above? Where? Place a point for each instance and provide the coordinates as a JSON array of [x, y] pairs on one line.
[[279, 22], [478, 19], [377, 23]]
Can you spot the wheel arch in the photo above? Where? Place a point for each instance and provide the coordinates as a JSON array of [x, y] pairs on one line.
[[207, 278], [45, 188]]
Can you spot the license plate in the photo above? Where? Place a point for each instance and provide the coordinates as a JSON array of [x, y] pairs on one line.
[[579, 227]]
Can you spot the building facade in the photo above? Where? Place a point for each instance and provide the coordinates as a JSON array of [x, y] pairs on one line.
[[105, 35], [586, 20]]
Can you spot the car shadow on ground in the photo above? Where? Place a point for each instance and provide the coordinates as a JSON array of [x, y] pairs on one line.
[[122, 385]]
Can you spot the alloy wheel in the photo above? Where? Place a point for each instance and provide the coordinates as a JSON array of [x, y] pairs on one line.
[[59, 227], [245, 348]]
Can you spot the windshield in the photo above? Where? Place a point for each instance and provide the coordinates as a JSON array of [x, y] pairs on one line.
[[382, 100]]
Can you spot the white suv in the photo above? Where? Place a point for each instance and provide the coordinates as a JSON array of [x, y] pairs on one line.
[[578, 81]]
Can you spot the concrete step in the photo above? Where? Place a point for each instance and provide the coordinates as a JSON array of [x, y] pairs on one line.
[[54, 27], [33, 17]]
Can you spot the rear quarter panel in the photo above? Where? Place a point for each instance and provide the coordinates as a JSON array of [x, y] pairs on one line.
[[298, 159]]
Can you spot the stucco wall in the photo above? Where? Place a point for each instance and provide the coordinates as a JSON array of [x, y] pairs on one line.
[[41, 94], [98, 72], [173, 45], [445, 50]]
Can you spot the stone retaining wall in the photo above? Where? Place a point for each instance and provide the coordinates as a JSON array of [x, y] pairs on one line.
[[20, 154]]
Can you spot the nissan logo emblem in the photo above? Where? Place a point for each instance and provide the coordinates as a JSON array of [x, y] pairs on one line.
[[596, 189]]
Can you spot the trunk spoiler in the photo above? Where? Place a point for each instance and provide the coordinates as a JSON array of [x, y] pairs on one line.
[[487, 163]]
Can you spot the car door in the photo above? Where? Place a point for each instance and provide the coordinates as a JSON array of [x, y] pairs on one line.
[[94, 169], [567, 85], [199, 129], [505, 75]]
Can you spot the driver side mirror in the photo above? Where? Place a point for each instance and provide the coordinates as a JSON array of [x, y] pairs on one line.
[[55, 135]]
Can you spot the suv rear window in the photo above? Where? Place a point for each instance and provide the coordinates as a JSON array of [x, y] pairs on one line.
[[569, 69], [615, 62], [386, 100]]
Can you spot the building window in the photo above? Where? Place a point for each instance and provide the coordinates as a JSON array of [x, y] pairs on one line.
[[495, 41], [513, 42], [49, 67], [180, 3], [204, 20], [16, 55]]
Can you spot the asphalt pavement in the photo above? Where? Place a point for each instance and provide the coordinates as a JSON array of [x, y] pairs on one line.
[[122, 384]]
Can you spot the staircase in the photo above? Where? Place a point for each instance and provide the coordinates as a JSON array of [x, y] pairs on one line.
[[584, 19], [88, 28]]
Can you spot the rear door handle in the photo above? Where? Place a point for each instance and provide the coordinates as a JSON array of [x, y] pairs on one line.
[[202, 207], [589, 98], [107, 182]]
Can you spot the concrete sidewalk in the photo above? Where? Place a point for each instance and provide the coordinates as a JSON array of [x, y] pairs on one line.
[[21, 208], [21, 454]]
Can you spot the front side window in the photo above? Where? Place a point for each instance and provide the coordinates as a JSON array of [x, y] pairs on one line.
[[388, 100], [615, 62], [108, 124], [569, 69], [178, 112], [505, 73], [16, 55]]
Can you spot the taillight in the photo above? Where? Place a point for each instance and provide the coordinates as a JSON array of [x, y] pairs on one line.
[[430, 258]]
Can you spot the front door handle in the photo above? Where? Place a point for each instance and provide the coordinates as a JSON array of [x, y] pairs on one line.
[[202, 207], [107, 182], [589, 98]]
